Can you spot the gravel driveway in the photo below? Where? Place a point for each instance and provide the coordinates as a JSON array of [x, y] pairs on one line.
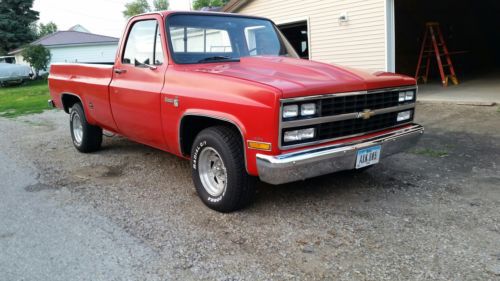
[[130, 212]]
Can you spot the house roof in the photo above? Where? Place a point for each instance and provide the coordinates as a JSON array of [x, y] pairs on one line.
[[78, 27], [70, 37]]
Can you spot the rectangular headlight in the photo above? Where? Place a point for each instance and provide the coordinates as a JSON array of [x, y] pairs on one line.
[[308, 109], [404, 115], [298, 135], [290, 111], [409, 95], [402, 96]]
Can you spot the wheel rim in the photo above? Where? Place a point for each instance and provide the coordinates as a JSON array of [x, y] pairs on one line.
[[77, 127], [212, 171]]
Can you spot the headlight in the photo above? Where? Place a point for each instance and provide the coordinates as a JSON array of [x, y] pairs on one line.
[[308, 109], [402, 96], [409, 95], [290, 111], [298, 135], [404, 115], [406, 96]]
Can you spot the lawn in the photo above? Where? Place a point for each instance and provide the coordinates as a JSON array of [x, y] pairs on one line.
[[25, 99]]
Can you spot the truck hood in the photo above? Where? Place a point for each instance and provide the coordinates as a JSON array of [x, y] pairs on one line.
[[298, 78]]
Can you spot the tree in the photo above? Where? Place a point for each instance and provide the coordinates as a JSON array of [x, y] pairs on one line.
[[136, 7], [37, 56], [16, 17], [46, 29], [142, 6], [198, 4], [160, 5]]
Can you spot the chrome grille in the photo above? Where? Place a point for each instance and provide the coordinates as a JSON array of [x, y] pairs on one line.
[[342, 115], [356, 126], [358, 103]]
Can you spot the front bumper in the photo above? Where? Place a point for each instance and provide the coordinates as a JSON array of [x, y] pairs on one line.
[[324, 160]]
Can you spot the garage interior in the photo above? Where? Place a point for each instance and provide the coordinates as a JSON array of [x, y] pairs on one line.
[[296, 33], [470, 29]]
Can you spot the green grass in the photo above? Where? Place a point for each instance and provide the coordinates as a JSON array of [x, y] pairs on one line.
[[430, 152], [25, 99]]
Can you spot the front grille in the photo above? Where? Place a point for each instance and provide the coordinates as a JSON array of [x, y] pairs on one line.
[[330, 127], [351, 127], [357, 126], [358, 103]]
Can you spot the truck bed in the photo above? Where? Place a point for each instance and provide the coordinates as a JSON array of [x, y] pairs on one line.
[[90, 83]]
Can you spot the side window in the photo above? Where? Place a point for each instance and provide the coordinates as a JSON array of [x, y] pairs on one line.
[[158, 55], [144, 44]]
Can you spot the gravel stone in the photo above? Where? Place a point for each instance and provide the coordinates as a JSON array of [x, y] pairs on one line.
[[130, 212]]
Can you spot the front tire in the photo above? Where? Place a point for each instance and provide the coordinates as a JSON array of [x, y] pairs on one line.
[[218, 170], [86, 137]]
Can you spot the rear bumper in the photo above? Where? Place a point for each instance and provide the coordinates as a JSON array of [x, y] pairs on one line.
[[315, 162]]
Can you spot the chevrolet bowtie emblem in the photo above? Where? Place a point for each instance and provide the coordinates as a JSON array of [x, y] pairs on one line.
[[366, 114]]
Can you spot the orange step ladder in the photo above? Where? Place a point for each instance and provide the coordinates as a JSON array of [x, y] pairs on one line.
[[434, 45]]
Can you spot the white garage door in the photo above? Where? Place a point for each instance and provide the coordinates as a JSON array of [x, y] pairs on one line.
[[84, 54]]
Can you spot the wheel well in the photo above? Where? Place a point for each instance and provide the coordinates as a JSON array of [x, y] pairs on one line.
[[68, 101], [192, 125]]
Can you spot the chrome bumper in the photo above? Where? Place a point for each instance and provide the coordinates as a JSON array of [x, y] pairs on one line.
[[319, 161]]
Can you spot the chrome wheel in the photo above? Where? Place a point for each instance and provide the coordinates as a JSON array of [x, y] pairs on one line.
[[77, 127], [212, 172]]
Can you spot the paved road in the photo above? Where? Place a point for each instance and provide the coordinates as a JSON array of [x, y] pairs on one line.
[[43, 238]]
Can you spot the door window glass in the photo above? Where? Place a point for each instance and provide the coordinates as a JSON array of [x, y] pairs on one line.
[[144, 44]]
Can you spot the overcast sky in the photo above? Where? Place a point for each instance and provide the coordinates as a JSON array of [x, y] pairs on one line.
[[98, 16]]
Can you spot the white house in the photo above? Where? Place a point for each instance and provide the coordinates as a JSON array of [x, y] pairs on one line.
[[75, 46], [384, 34]]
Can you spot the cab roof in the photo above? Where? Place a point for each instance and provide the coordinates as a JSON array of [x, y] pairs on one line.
[[197, 13]]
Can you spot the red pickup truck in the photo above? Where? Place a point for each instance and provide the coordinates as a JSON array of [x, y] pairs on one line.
[[229, 93]]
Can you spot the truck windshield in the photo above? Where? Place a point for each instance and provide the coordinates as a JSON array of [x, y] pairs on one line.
[[216, 38]]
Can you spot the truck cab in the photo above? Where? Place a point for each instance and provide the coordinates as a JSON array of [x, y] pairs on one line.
[[229, 93]]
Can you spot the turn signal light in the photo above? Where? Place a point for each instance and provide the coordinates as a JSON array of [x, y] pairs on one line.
[[259, 145]]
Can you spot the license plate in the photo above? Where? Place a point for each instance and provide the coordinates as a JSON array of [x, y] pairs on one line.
[[368, 156]]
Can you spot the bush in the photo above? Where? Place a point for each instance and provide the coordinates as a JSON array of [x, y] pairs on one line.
[[37, 56]]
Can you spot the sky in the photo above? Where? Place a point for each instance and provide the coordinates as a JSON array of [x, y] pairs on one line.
[[98, 16]]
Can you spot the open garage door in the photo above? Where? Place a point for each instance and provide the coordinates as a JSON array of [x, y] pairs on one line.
[[298, 35], [470, 29]]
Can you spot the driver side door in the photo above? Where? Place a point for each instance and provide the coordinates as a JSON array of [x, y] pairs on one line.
[[138, 79]]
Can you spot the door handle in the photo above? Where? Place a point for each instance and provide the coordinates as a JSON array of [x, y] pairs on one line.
[[119, 71], [174, 101]]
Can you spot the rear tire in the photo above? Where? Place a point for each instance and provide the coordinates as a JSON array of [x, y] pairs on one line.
[[86, 138], [218, 170]]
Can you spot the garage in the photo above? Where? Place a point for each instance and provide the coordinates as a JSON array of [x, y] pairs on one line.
[[387, 35], [470, 31]]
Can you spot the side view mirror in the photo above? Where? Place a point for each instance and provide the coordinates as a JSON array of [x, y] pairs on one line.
[[144, 64]]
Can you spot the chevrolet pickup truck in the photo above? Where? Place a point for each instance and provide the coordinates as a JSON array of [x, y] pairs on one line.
[[229, 93]]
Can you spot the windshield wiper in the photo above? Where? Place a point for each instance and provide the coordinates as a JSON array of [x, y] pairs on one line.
[[218, 58]]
